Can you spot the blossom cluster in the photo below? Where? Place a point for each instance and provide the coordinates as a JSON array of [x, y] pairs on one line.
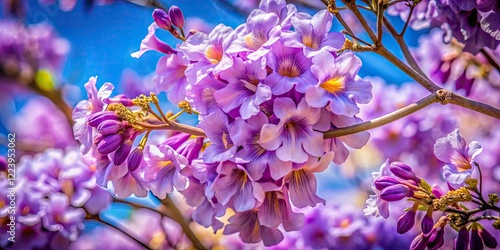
[[27, 51], [473, 23], [264, 91], [397, 181], [53, 193]]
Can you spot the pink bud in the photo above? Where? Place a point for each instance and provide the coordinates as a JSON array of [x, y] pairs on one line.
[[162, 19]]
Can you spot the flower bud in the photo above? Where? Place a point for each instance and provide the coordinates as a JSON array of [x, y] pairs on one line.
[[102, 116], [395, 193], [162, 19], [406, 222], [403, 171], [109, 144], [98, 138], [488, 239], [462, 241], [109, 127], [176, 16], [419, 243], [384, 182], [122, 152], [475, 240], [436, 238], [135, 159], [427, 222]]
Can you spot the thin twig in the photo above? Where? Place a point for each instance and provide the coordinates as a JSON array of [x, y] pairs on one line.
[[352, 6], [175, 126], [380, 18], [490, 59], [355, 37], [398, 114], [421, 79], [412, 7]]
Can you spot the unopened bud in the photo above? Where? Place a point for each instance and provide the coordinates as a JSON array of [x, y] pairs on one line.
[[109, 144], [135, 159], [176, 16], [395, 193], [162, 19]]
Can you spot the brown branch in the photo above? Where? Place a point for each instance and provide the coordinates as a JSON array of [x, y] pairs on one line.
[[177, 216], [352, 6], [404, 47], [175, 126], [398, 114], [98, 219], [475, 105], [380, 18]]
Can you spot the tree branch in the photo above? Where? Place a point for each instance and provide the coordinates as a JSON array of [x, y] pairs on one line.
[[177, 216], [398, 114], [380, 18], [98, 219], [352, 6], [404, 47]]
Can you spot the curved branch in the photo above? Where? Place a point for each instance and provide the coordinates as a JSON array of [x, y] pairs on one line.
[[475, 105], [398, 114], [177, 216], [96, 218]]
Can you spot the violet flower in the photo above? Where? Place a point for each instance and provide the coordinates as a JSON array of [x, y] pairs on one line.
[[293, 137], [338, 84], [460, 157], [312, 34]]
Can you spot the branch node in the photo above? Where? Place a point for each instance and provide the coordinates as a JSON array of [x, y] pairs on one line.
[[444, 96]]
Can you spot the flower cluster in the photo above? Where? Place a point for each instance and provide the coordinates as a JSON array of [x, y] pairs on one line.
[[28, 52], [264, 93], [449, 65], [396, 181], [53, 194], [473, 23]]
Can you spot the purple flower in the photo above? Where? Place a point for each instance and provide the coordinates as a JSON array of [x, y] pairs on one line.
[[293, 137], [279, 7], [208, 52], [374, 204], [244, 89], [130, 183], [461, 158], [290, 68], [151, 42], [489, 240], [276, 209], [85, 109], [236, 188], [62, 218], [423, 14], [170, 76], [256, 35], [216, 126], [312, 34], [163, 170], [202, 95], [52, 129], [338, 144], [247, 134], [251, 231], [338, 84], [302, 182]]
